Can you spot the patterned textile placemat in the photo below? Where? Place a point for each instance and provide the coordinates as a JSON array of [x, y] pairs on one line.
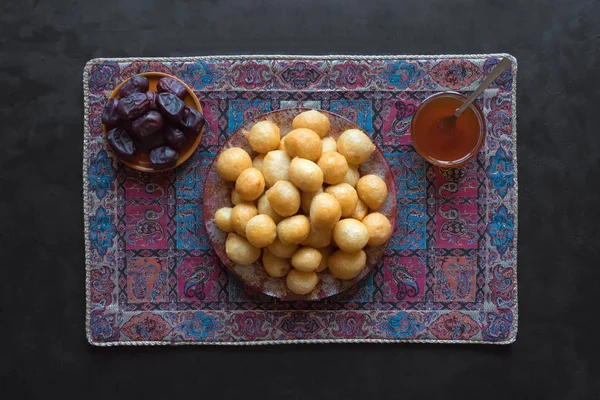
[[449, 273]]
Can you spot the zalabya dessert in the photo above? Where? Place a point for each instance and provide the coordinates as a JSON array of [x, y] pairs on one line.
[[300, 207]]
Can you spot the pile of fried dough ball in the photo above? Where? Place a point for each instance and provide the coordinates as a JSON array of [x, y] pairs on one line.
[[302, 203]]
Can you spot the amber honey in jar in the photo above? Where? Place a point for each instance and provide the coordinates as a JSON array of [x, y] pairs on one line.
[[443, 140]]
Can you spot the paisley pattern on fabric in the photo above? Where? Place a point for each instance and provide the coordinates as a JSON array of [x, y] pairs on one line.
[[404, 278], [250, 75], [502, 285], [402, 74], [103, 327], [251, 325], [350, 75], [498, 325], [300, 74], [146, 227], [502, 229], [102, 231], [403, 326], [146, 327], [196, 326], [455, 74], [101, 174], [454, 326], [351, 324], [200, 74], [300, 325], [500, 172], [104, 77], [456, 226], [102, 286], [505, 80], [447, 274]]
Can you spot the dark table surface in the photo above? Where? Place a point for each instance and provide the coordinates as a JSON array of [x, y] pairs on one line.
[[43, 48]]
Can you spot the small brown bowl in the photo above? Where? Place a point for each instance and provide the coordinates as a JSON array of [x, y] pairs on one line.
[[141, 162]]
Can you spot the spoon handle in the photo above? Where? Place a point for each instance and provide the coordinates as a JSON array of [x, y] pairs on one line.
[[498, 69]]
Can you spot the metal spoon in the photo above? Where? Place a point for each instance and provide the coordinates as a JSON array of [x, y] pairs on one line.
[[450, 121]]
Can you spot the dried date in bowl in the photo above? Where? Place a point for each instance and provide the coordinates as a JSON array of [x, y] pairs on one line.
[[175, 137], [170, 106], [191, 121], [133, 106], [121, 143], [141, 159], [137, 84], [173, 86], [147, 124], [152, 96], [110, 115], [163, 157]]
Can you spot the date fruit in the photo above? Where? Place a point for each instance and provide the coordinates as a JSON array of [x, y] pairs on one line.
[[192, 120], [133, 106], [175, 137], [152, 96], [147, 124], [121, 143], [170, 106], [173, 86], [137, 84], [163, 157], [150, 142], [110, 116]]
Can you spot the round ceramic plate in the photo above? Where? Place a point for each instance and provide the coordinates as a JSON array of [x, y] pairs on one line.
[[217, 194], [141, 162]]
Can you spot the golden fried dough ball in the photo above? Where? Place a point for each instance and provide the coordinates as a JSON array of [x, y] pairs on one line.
[[372, 190], [275, 266], [257, 161], [235, 197], [355, 146], [239, 250], [223, 219], [284, 198], [350, 235], [314, 121], [281, 144], [344, 265], [250, 184], [352, 176], [261, 231], [325, 211], [264, 207], [305, 175], [241, 214], [300, 282], [379, 228], [346, 195], [325, 252], [306, 199], [293, 229], [282, 250], [263, 137], [306, 259], [275, 167], [328, 144], [303, 143], [334, 167], [360, 212], [318, 237], [232, 162]]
